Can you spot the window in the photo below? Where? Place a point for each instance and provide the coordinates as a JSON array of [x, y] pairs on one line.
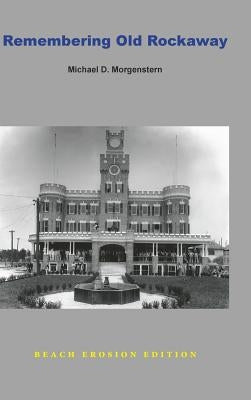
[[136, 269], [160, 270], [58, 225], [182, 228], [157, 227], [134, 226], [144, 269], [211, 252], [134, 209], [59, 206], [71, 226], [182, 208], [169, 227], [45, 206], [145, 209], [108, 187], [156, 210], [71, 208], [112, 225], [45, 225], [119, 187], [93, 208], [144, 227], [82, 226], [169, 208], [114, 207], [82, 208]]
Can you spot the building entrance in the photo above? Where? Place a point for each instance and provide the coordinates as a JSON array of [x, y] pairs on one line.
[[112, 253]]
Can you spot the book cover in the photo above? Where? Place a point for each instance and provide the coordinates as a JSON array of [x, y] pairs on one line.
[[123, 139]]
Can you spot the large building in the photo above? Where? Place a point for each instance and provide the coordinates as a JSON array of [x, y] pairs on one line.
[[117, 230]]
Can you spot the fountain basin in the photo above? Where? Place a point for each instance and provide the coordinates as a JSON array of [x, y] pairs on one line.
[[116, 293]]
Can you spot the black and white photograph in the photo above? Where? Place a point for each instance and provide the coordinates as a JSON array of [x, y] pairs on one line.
[[114, 217]]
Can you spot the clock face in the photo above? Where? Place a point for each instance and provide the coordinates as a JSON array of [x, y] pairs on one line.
[[114, 169], [114, 142]]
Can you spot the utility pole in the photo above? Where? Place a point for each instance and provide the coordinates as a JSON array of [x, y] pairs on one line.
[[17, 243], [37, 202], [11, 233]]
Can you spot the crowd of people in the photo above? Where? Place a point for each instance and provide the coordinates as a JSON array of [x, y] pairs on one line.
[[64, 255], [112, 255], [190, 256]]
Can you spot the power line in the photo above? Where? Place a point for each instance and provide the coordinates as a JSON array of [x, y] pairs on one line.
[[17, 221], [15, 209], [15, 195]]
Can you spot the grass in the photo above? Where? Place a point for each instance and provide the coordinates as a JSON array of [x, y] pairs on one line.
[[206, 292], [10, 290]]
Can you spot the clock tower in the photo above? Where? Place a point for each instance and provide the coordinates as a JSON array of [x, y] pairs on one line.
[[114, 170]]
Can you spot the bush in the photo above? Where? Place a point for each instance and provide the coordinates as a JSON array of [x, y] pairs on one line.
[[141, 285], [41, 302], [11, 278], [169, 303], [159, 288], [175, 290], [50, 288], [64, 286], [45, 288], [150, 287], [129, 278], [146, 305], [156, 304], [39, 289], [2, 280], [30, 301], [69, 285], [53, 304], [57, 286]]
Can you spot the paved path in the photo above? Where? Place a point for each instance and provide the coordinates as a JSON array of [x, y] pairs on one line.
[[67, 300]]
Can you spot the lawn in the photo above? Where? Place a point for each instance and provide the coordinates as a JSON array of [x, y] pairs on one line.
[[10, 290], [206, 292]]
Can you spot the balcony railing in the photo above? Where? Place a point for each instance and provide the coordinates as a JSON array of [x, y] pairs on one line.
[[142, 258]]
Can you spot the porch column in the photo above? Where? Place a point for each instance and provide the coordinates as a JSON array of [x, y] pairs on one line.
[[153, 249], [73, 247], [95, 257], [179, 255], [204, 254], [44, 251], [129, 257], [140, 269]]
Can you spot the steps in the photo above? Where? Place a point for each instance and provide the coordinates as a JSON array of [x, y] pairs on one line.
[[113, 271]]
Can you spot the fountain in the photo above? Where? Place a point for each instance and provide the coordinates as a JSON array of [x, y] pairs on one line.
[[99, 292]]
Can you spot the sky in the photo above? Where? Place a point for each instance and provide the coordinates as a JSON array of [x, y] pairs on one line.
[[29, 158]]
